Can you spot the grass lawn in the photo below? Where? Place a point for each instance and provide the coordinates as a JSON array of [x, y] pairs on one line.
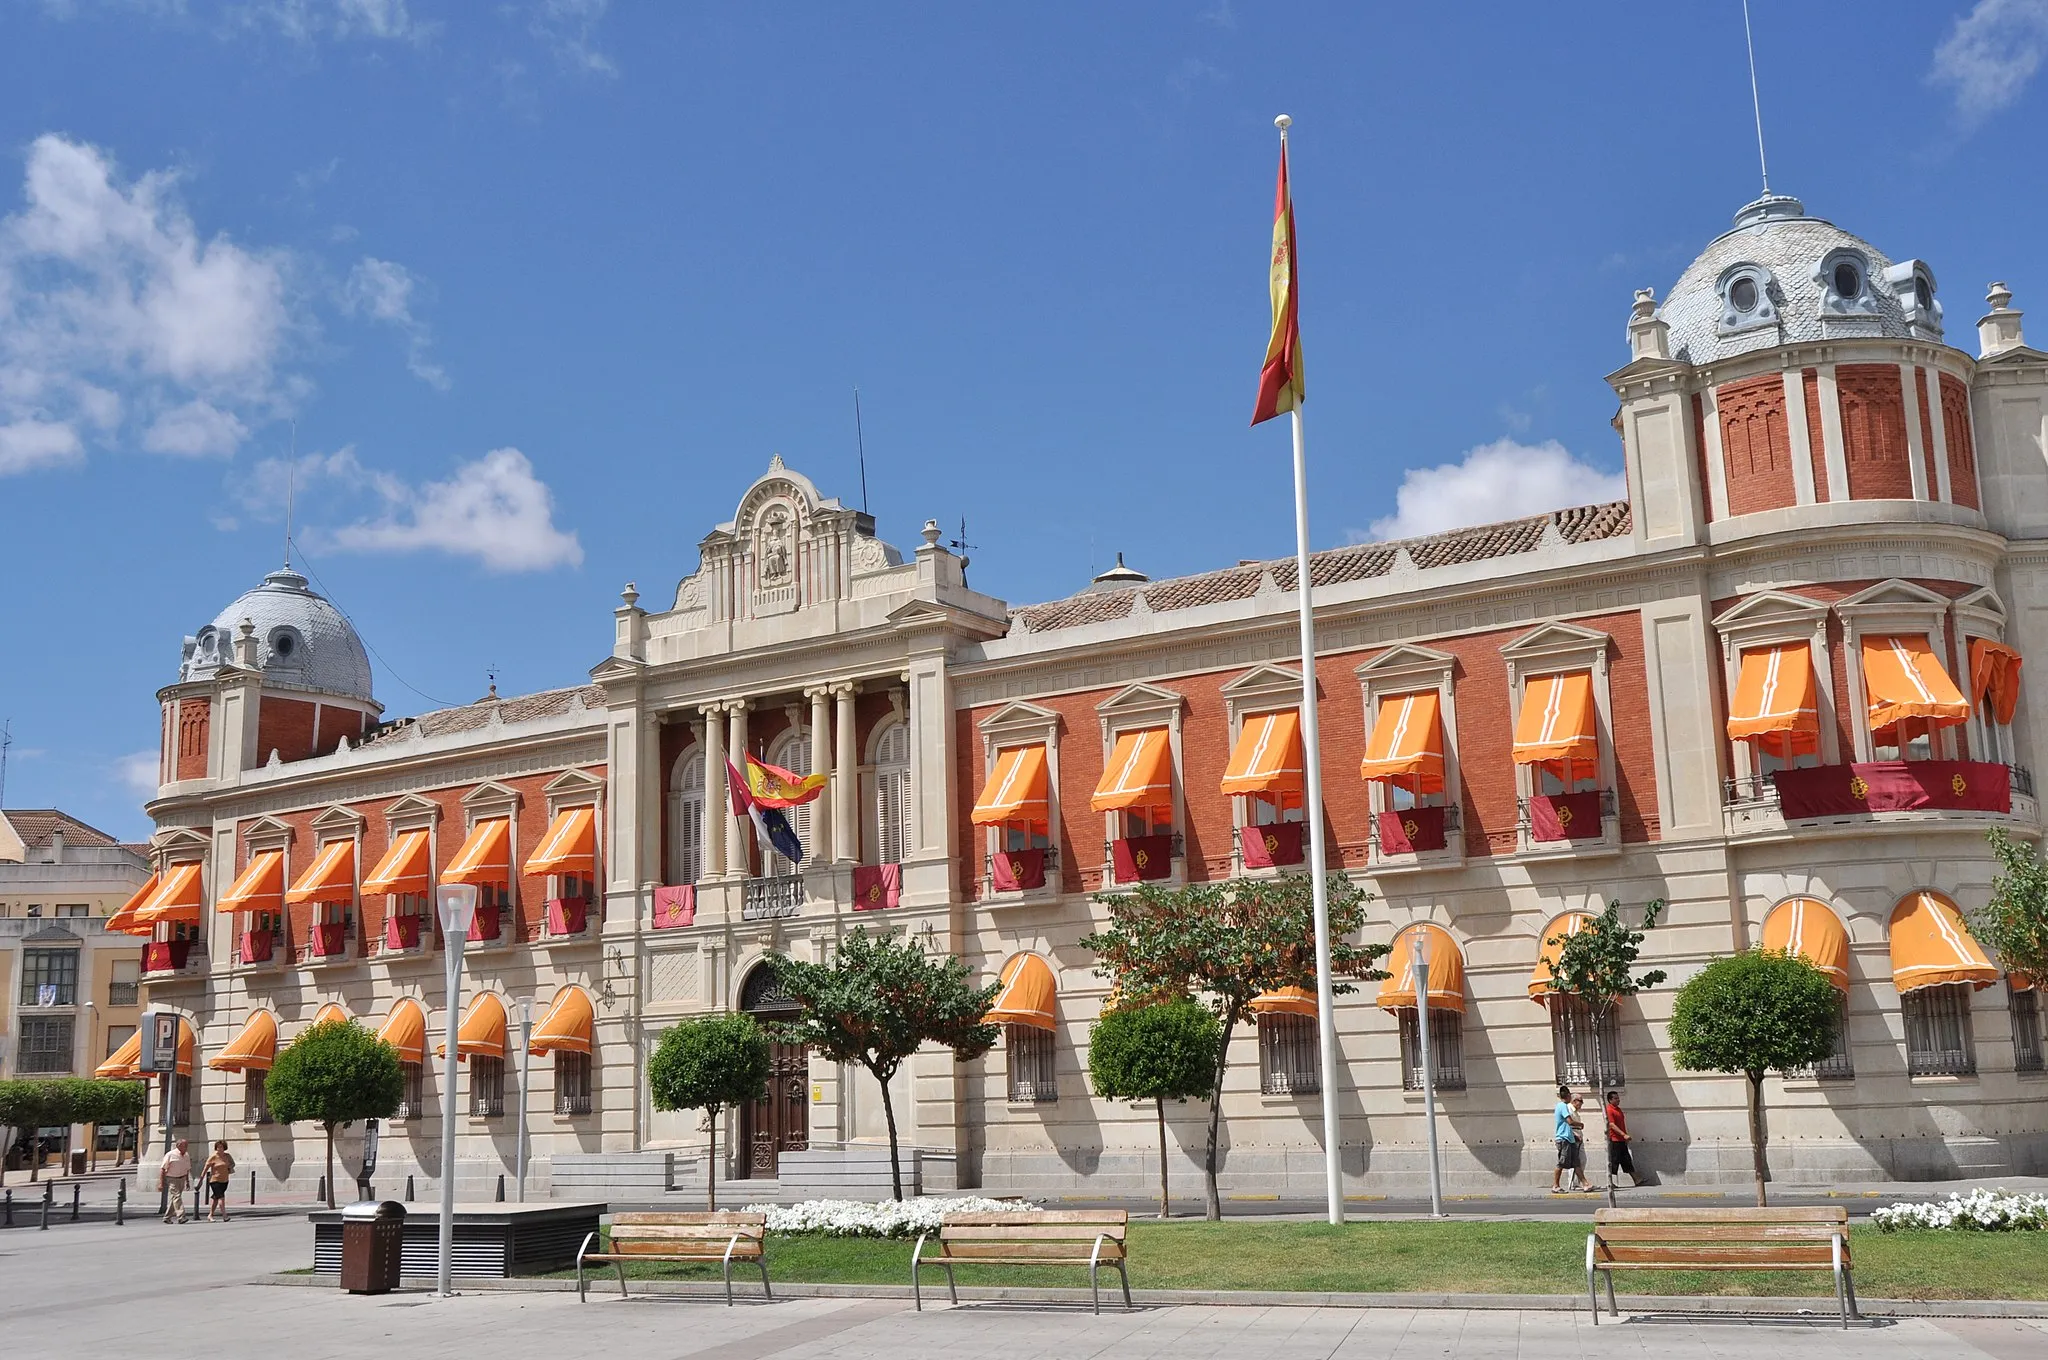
[[1411, 1257]]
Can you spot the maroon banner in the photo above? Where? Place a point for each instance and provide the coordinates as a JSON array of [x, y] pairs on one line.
[[877, 887], [1565, 816], [675, 907], [1410, 831], [484, 925], [1137, 858], [1017, 870], [329, 939], [1893, 786], [1268, 847], [256, 946], [402, 932], [567, 915]]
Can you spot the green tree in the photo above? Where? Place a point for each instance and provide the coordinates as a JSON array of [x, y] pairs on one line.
[[877, 1002], [1597, 963], [332, 1075], [2014, 924], [1229, 942], [1159, 1053], [29, 1104], [1752, 1013], [709, 1064]]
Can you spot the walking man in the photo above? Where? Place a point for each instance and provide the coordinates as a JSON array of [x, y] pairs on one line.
[[174, 1177], [1618, 1158], [1567, 1141]]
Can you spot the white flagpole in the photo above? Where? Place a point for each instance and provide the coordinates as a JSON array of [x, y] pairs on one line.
[[1312, 802]]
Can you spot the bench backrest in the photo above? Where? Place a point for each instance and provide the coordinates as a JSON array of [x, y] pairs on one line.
[[654, 1232], [1720, 1236], [1051, 1232]]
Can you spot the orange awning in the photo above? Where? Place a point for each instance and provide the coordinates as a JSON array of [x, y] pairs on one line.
[[1029, 991], [486, 857], [1931, 946], [483, 1030], [331, 1011], [260, 887], [1571, 923], [1557, 719], [405, 868], [570, 845], [123, 920], [566, 1026], [253, 1049], [1407, 741], [1139, 773], [1267, 760], [1811, 931], [185, 1048], [1446, 971], [1774, 700], [405, 1029], [1016, 789], [1903, 679], [1995, 678], [177, 898], [124, 1060], [1285, 1001], [332, 877]]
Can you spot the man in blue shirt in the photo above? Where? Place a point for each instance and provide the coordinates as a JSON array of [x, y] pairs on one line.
[[1567, 1133]]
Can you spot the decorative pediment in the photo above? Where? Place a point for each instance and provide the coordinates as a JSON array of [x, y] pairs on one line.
[[573, 786], [1892, 594], [180, 840], [1556, 640], [263, 833], [1983, 608], [1771, 607], [1141, 701], [615, 669], [338, 822], [1265, 679], [1407, 661], [491, 794], [1020, 719], [52, 934], [411, 813]]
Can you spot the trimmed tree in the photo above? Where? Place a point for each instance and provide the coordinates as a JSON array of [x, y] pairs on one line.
[[1597, 962], [26, 1106], [710, 1064], [2014, 924], [332, 1075], [1229, 942], [1159, 1053], [1752, 1013], [29, 1104], [877, 1002]]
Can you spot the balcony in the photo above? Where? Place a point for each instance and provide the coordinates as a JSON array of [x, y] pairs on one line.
[[330, 942], [173, 958], [488, 929], [568, 918], [1142, 859], [257, 948], [768, 899], [1862, 794], [675, 906], [1417, 838], [1022, 875], [1276, 845], [1568, 823], [572, 1104], [406, 935]]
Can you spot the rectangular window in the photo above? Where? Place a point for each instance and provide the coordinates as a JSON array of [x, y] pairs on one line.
[[1587, 1048], [73, 909], [892, 813], [486, 1087], [411, 1101], [1289, 1058], [181, 1105], [45, 1048], [1938, 1031], [1837, 1066], [124, 983], [1446, 1050], [255, 1100], [117, 1035], [2026, 1029], [572, 1083], [49, 977], [1030, 1053]]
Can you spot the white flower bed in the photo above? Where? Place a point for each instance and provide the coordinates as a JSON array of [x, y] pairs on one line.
[[1978, 1211], [855, 1218]]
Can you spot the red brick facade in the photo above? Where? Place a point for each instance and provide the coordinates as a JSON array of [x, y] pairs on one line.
[[1962, 443], [1874, 431], [193, 724], [1756, 445]]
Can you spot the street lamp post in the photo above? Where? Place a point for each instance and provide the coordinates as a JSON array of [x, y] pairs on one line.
[[1420, 955], [456, 903], [525, 1070]]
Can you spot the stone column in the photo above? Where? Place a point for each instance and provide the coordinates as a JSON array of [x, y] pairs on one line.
[[716, 803], [846, 781], [736, 859], [822, 820]]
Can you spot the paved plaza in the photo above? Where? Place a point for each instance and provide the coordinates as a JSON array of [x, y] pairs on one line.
[[97, 1290]]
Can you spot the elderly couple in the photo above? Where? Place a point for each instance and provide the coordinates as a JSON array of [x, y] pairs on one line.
[[1570, 1136], [174, 1178]]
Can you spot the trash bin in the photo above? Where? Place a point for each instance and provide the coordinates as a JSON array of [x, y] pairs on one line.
[[78, 1162], [372, 1243]]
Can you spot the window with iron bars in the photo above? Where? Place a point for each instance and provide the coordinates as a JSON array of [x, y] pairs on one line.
[[572, 1083], [1289, 1057], [486, 1087], [45, 1047], [1586, 1047], [1446, 1049], [181, 1101], [1030, 1054], [412, 1101], [255, 1098], [124, 987], [1837, 1065], [1938, 1031], [2026, 1028]]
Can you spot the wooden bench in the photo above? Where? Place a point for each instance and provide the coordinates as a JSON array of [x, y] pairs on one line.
[[1058, 1237], [721, 1237], [1719, 1239]]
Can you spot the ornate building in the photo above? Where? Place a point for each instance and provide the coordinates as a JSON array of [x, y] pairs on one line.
[[1780, 687]]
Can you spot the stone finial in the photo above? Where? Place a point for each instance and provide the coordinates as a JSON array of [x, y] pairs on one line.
[[931, 533], [1648, 336], [1999, 329], [245, 644], [631, 595]]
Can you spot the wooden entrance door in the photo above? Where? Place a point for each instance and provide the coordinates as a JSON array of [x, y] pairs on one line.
[[780, 1121]]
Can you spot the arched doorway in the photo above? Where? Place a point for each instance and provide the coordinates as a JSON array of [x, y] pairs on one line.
[[781, 1121]]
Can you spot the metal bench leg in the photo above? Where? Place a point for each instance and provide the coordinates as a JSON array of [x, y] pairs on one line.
[[1592, 1285], [620, 1266], [1612, 1310], [1125, 1276], [916, 1260], [1849, 1283], [1095, 1288], [588, 1239], [952, 1285], [766, 1292]]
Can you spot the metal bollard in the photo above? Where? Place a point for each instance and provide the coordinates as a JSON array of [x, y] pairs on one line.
[[408, 1189], [120, 1203], [47, 1187], [252, 1187], [74, 1201], [321, 1193], [7, 1211], [501, 1187]]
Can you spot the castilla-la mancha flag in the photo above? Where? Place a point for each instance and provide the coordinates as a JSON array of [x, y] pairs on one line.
[[1280, 382]]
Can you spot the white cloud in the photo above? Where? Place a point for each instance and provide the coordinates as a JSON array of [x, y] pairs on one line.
[[1990, 55], [1497, 481], [382, 291], [493, 509], [1219, 15], [137, 772], [309, 21], [198, 429], [29, 443], [569, 28]]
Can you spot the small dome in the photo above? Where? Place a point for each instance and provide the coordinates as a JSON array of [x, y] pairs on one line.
[[1779, 277], [302, 641]]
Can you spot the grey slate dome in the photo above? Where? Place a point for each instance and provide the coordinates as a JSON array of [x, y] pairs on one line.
[[1778, 277], [302, 641]]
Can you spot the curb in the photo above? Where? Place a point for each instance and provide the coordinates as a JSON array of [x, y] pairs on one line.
[[1718, 1305]]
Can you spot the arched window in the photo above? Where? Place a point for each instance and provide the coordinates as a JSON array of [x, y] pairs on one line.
[[686, 819], [892, 815], [793, 753]]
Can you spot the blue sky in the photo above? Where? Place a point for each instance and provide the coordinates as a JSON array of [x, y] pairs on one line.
[[544, 284]]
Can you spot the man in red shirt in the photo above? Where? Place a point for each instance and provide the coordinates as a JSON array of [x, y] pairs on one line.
[[1618, 1159]]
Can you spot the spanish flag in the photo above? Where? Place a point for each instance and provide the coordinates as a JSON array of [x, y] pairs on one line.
[[773, 786], [1280, 382]]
